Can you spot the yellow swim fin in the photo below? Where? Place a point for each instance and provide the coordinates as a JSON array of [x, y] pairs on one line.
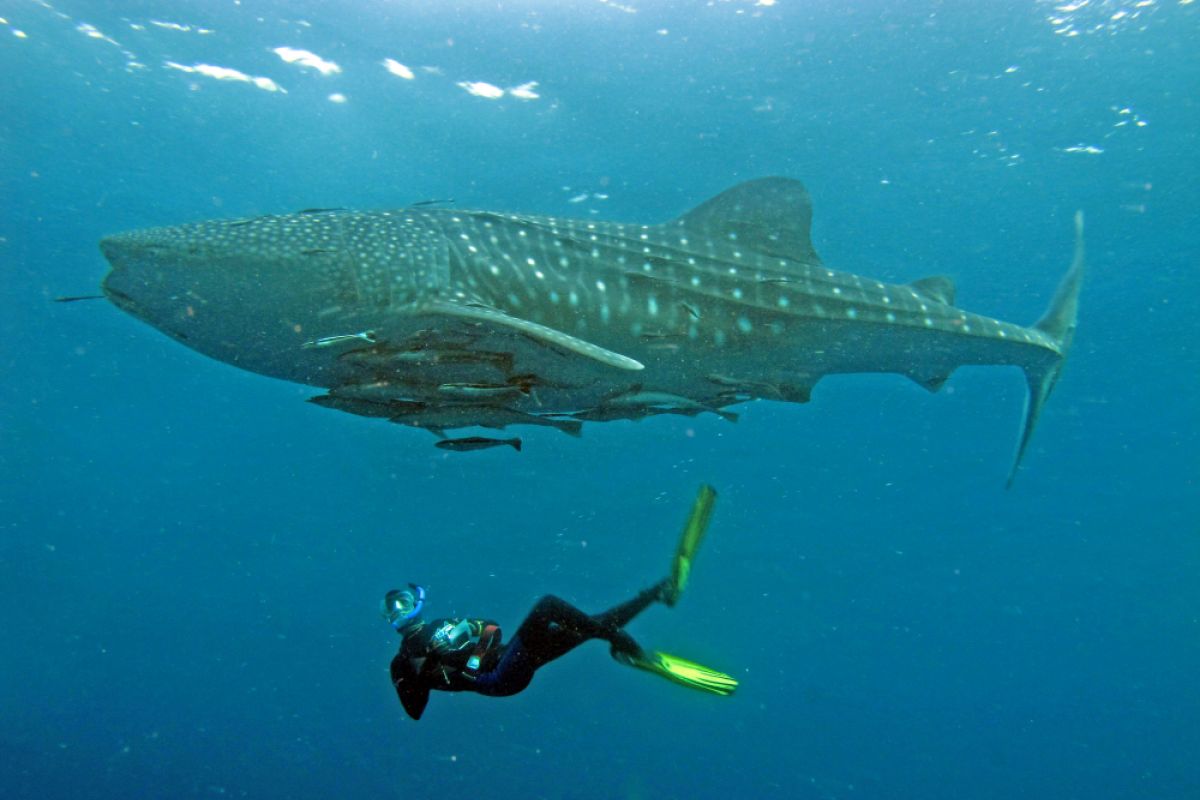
[[689, 543], [684, 672]]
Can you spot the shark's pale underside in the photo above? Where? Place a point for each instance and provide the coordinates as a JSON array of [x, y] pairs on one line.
[[443, 318]]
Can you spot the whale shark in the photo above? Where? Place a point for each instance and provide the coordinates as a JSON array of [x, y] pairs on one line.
[[441, 318]]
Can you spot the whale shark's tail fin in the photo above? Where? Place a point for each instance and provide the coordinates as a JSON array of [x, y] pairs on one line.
[[1059, 324]]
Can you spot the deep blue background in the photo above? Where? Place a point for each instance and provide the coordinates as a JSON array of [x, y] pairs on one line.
[[191, 556]]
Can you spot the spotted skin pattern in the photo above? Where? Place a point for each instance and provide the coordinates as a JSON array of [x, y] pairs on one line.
[[479, 318]]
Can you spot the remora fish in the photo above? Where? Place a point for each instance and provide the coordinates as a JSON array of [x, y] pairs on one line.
[[470, 443], [580, 308]]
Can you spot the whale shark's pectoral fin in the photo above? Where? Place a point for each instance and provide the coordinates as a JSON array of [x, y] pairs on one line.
[[542, 334]]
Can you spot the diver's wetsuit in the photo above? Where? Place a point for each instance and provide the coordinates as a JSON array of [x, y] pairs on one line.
[[437, 654]]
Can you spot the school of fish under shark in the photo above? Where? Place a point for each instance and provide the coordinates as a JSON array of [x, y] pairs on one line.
[[442, 319]]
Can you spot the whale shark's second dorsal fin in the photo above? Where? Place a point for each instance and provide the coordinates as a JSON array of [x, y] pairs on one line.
[[772, 216], [936, 287]]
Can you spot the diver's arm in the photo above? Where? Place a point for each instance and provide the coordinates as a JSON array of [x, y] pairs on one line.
[[456, 635], [480, 626]]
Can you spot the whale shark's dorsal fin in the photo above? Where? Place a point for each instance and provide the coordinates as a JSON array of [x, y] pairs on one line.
[[772, 216]]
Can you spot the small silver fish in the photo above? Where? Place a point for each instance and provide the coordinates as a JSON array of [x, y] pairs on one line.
[[469, 443], [329, 341], [665, 402], [479, 392], [439, 418]]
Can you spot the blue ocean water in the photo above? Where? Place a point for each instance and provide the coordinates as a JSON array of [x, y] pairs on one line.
[[191, 556]]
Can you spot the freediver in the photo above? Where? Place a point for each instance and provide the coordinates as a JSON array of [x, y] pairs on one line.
[[467, 655]]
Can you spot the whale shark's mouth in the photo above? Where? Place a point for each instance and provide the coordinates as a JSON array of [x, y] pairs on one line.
[[120, 284], [118, 297]]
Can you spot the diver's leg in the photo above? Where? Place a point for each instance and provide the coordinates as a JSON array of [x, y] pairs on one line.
[[623, 647], [554, 627], [618, 617], [512, 673]]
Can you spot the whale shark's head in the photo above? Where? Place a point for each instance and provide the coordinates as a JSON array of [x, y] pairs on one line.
[[253, 291]]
